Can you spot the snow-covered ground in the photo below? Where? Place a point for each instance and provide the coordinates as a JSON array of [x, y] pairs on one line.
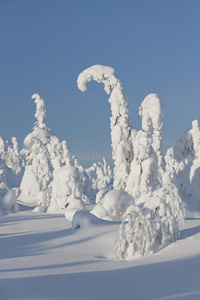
[[42, 257]]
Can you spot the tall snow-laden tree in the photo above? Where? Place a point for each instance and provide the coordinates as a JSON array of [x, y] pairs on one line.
[[37, 152], [183, 165], [121, 131], [176, 157], [157, 224], [147, 166]]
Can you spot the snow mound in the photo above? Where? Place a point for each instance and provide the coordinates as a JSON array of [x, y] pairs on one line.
[[84, 219], [113, 205]]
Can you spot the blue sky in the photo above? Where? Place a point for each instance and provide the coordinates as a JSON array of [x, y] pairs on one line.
[[153, 45]]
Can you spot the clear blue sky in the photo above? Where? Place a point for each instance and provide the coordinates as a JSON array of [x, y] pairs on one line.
[[153, 45]]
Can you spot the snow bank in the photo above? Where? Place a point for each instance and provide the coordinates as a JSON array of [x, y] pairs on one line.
[[113, 205]]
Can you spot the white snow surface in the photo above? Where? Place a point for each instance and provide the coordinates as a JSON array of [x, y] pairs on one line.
[[43, 258]]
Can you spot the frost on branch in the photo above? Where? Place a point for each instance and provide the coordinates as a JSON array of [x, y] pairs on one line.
[[147, 165], [120, 124]]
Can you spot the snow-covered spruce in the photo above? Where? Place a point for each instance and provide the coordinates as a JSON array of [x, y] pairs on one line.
[[67, 190], [88, 190], [176, 156], [13, 159], [8, 201], [147, 166], [113, 205], [45, 156], [121, 133], [39, 169], [182, 165], [104, 177]]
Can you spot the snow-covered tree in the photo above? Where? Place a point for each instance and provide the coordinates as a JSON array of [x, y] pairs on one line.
[[8, 201], [121, 131], [147, 166], [13, 159], [144, 231], [40, 114], [49, 178], [67, 189], [39, 157], [176, 157], [88, 191], [104, 177], [136, 236], [183, 165]]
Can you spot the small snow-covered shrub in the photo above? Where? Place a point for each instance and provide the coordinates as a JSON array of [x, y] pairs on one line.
[[88, 190], [113, 205], [156, 224], [104, 178], [66, 186], [136, 235]]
